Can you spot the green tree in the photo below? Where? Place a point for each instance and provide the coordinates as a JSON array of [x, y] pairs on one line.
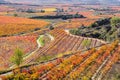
[[114, 21], [15, 15], [51, 27], [94, 24], [74, 31], [17, 58], [42, 11], [86, 43]]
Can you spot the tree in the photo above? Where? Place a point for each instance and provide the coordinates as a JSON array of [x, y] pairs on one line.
[[42, 11], [30, 11], [15, 15], [77, 14], [74, 31], [114, 21], [62, 10], [51, 27], [86, 43], [94, 25], [17, 58]]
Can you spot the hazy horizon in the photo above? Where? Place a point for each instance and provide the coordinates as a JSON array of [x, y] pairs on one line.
[[64, 1]]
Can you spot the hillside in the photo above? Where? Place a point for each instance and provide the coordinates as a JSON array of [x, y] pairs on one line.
[[26, 43], [92, 64], [101, 29], [59, 40], [51, 50], [16, 25], [57, 47]]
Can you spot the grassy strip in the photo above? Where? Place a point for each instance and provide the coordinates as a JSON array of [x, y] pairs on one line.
[[41, 40]]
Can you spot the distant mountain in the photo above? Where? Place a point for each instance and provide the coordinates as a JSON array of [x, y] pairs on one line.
[[65, 1], [109, 1], [2, 1], [100, 1], [90, 1]]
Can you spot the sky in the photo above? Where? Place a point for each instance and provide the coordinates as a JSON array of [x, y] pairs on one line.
[[58, 1]]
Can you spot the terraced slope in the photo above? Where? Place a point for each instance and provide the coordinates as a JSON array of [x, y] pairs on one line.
[[9, 44], [63, 42], [92, 64]]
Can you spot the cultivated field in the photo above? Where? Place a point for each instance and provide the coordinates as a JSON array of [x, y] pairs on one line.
[[51, 52], [64, 42], [75, 23], [8, 45], [92, 64], [15, 25]]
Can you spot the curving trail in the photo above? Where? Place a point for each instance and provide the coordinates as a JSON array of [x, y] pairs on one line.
[[39, 46], [63, 42]]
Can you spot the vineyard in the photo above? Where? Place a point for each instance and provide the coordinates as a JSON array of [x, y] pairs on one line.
[[90, 19], [63, 42], [92, 64], [28, 44], [76, 23], [15, 25], [59, 40], [9, 44]]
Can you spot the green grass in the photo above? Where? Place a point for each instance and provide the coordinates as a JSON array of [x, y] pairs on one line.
[[45, 58], [41, 40]]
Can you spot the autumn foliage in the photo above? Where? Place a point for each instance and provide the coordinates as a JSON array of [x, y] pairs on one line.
[[92, 64], [9, 44], [15, 25]]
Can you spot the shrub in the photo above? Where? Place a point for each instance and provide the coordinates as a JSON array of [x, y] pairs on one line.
[[51, 27], [114, 21], [17, 58]]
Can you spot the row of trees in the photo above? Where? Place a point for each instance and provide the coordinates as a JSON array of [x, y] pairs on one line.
[[106, 29], [114, 21], [61, 16]]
